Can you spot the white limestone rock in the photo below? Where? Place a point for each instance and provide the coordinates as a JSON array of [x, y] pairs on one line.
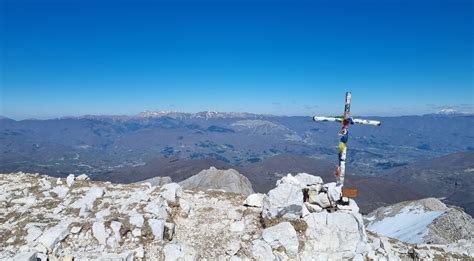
[[285, 201], [157, 228], [289, 179], [99, 216], [334, 191], [87, 201], [61, 191], [262, 251], [45, 184], [233, 214], [185, 206], [308, 180], [282, 235], [33, 233], [99, 232], [339, 234], [254, 200], [351, 207], [55, 234], [70, 180], [175, 251], [136, 220], [115, 226], [237, 226], [305, 211], [170, 191], [82, 177], [157, 208], [139, 252], [157, 181], [232, 247], [137, 232], [27, 256], [76, 229], [321, 199]]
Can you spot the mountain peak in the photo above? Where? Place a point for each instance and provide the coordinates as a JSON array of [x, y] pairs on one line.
[[196, 115]]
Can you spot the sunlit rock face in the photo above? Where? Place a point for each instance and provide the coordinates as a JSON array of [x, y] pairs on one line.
[[44, 217]]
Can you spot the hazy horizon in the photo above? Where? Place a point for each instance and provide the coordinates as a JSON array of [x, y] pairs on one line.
[[439, 112]]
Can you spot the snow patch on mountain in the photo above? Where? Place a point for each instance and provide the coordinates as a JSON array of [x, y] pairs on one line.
[[410, 225], [422, 221]]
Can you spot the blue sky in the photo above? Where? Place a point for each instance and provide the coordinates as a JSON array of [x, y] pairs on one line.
[[277, 57]]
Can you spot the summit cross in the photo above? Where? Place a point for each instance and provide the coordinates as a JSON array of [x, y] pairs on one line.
[[346, 120]]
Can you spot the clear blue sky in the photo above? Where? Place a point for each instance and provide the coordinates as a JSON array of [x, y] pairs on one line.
[[279, 57]]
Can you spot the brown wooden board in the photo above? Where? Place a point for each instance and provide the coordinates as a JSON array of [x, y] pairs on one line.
[[350, 192]]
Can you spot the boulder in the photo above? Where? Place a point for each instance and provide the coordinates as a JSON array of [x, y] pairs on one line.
[[136, 220], [334, 191], [308, 180], [82, 177], [313, 207], [157, 208], [340, 235], [285, 201], [289, 179], [27, 256], [233, 247], [254, 200], [185, 206], [61, 191], [351, 207], [157, 228], [262, 251], [228, 180], [282, 235], [87, 201], [99, 233], [170, 191], [70, 180], [33, 233], [115, 226], [157, 181], [53, 235]]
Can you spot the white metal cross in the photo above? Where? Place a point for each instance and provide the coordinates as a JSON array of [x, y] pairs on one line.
[[346, 120]]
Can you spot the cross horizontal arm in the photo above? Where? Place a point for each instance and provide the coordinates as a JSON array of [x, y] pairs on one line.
[[367, 122], [332, 119], [340, 119]]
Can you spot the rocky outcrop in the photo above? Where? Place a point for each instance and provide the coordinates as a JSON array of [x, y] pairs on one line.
[[157, 181], [228, 180], [103, 221], [284, 201]]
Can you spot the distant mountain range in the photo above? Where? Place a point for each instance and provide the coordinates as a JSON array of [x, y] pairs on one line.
[[99, 144], [262, 147]]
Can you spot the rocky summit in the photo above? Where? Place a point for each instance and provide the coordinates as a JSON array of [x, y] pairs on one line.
[[302, 218], [227, 180]]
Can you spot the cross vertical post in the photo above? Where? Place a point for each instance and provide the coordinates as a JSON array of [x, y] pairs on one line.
[[346, 121]]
